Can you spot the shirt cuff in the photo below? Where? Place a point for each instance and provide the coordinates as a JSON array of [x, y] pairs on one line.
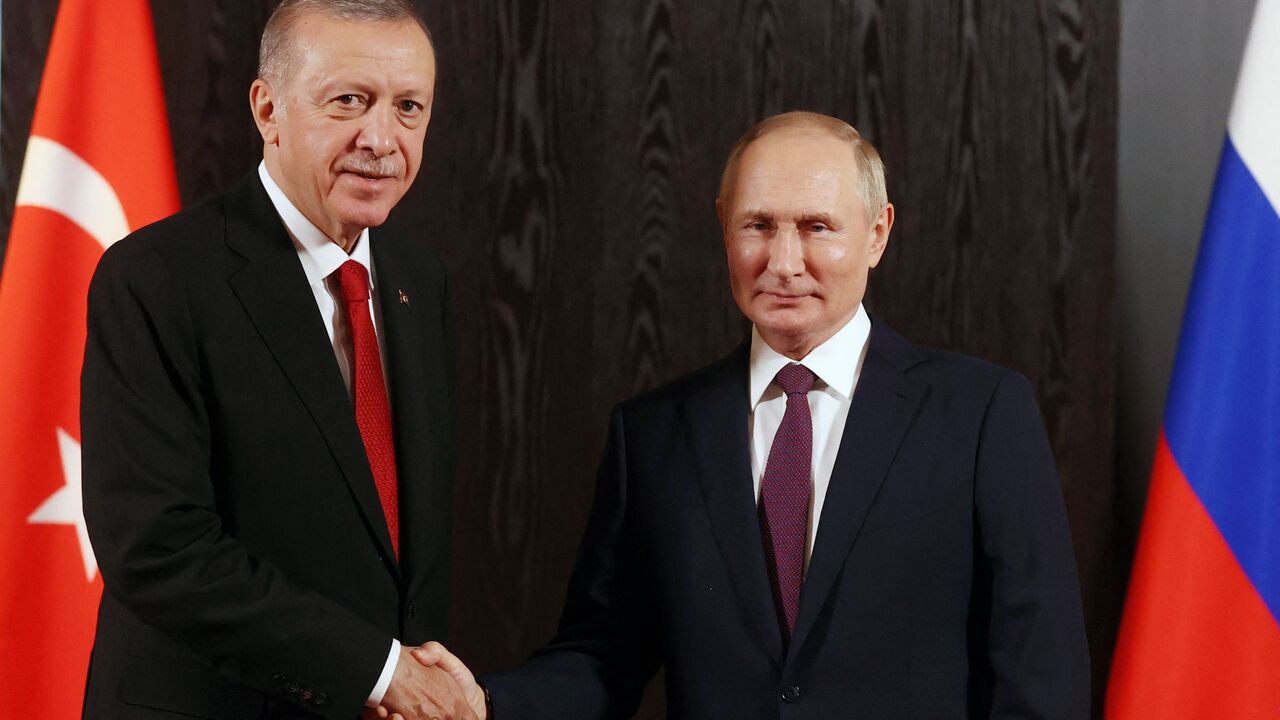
[[384, 680]]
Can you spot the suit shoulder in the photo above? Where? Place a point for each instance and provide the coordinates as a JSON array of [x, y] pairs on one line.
[[408, 247], [955, 377], [188, 236], [964, 381], [679, 389], [959, 367]]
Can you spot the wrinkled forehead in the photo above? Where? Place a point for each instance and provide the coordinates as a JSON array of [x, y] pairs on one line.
[[796, 158], [322, 47], [795, 143]]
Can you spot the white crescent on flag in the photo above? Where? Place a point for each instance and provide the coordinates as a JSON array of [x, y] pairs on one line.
[[84, 185], [57, 179]]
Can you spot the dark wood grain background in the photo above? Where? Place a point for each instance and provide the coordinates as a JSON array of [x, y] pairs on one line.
[[569, 180]]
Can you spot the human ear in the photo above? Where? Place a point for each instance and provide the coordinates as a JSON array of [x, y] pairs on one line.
[[262, 103], [880, 235]]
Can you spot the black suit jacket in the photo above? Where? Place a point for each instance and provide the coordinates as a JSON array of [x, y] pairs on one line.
[[247, 563], [941, 584]]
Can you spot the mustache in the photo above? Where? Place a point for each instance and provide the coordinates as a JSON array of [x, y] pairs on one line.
[[372, 166]]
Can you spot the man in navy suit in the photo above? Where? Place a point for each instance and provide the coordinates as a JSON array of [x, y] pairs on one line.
[[830, 522]]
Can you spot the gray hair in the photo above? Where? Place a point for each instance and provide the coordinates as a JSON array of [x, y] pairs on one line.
[[275, 54], [871, 184]]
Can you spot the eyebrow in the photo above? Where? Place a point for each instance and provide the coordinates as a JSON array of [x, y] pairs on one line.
[[757, 213], [805, 216], [822, 217]]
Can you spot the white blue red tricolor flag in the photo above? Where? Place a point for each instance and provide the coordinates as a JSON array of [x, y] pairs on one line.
[[1200, 636]]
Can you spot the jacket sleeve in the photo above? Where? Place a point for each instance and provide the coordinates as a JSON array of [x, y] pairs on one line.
[[607, 647], [151, 507], [1037, 652]]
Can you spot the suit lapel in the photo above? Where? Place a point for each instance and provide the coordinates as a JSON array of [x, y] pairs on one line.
[[417, 383], [717, 420], [273, 289], [405, 347], [881, 412]]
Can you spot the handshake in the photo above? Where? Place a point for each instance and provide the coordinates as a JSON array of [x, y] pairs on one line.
[[430, 682]]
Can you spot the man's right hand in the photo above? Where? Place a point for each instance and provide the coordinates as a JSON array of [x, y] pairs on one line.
[[435, 655], [418, 690]]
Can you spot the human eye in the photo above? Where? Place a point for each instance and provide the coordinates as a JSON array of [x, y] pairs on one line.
[[816, 225], [410, 107], [347, 102]]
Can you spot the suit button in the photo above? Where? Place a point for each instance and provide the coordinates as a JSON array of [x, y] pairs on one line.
[[791, 693]]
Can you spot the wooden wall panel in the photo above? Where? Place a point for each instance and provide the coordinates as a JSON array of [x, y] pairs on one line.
[[26, 28], [569, 180]]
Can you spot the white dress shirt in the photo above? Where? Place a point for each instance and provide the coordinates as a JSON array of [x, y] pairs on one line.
[[320, 258], [837, 363]]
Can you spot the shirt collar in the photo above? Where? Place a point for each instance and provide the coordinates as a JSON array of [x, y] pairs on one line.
[[320, 256], [835, 361]]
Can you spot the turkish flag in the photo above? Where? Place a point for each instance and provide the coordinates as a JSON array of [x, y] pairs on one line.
[[99, 164]]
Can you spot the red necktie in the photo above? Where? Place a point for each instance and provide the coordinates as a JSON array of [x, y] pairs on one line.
[[784, 495], [373, 411]]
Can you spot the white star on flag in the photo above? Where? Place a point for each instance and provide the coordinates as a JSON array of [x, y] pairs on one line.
[[65, 506]]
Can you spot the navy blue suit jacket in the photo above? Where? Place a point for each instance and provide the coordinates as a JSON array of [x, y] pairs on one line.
[[942, 582]]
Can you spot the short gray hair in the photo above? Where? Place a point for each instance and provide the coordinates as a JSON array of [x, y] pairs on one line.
[[275, 54], [871, 184]]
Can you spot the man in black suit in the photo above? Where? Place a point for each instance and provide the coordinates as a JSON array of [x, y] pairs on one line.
[[830, 522], [267, 408]]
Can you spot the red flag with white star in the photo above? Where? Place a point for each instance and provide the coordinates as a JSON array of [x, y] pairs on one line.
[[99, 164]]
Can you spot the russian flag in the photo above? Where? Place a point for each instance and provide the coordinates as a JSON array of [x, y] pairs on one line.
[[1200, 636]]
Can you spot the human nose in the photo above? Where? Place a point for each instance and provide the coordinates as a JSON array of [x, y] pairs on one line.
[[786, 253], [378, 133]]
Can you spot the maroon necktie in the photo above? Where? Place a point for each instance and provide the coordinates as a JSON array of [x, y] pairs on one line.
[[784, 495], [373, 411]]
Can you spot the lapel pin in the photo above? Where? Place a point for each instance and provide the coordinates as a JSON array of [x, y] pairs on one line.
[[404, 299]]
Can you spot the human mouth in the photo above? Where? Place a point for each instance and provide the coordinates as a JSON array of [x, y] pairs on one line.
[[367, 177], [783, 297], [366, 182]]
